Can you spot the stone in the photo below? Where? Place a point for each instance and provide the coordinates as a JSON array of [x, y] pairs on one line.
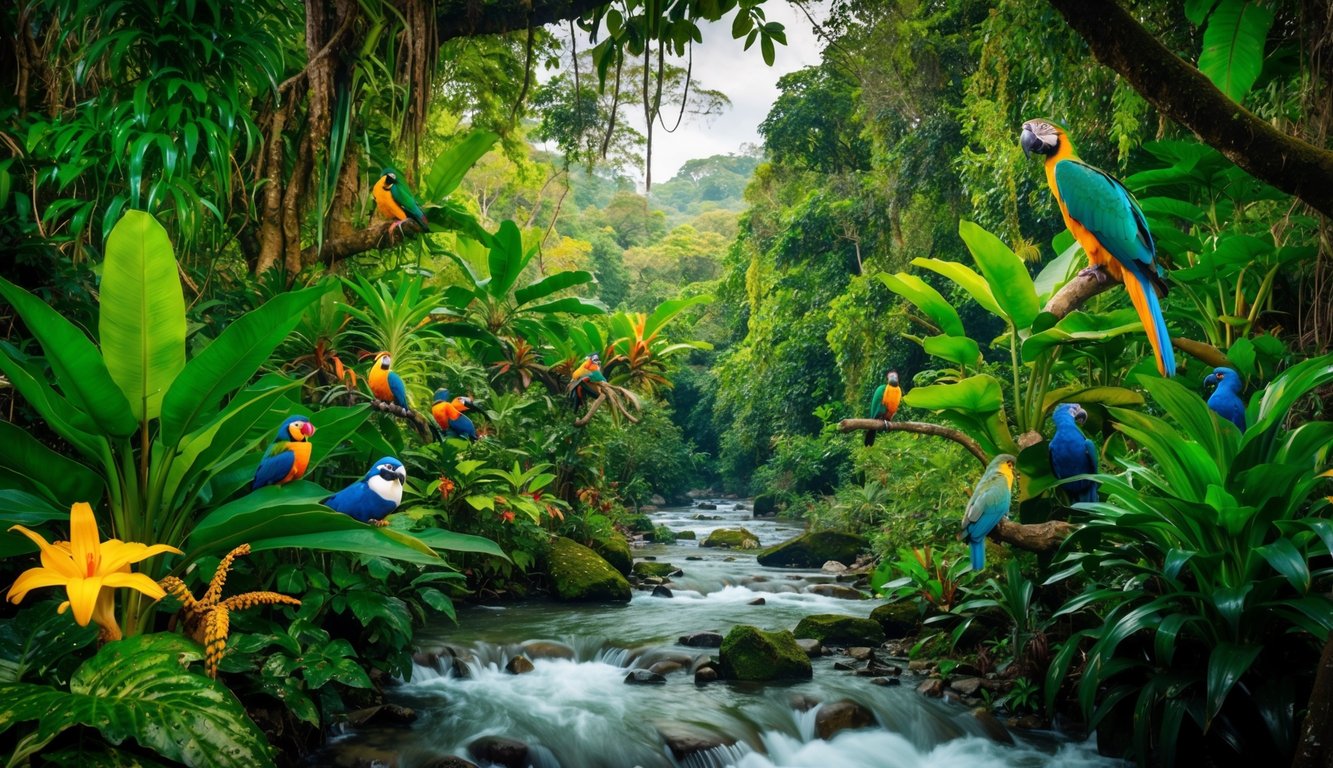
[[812, 549], [706, 505], [811, 646], [862, 653], [838, 591], [840, 716], [750, 653], [356, 755], [579, 574], [694, 557], [758, 601], [704, 675], [644, 677], [1027, 722], [614, 548], [702, 639], [898, 620], [660, 570], [687, 535], [391, 714], [510, 753], [933, 687], [919, 665], [765, 505], [684, 740], [547, 649], [666, 667], [836, 629], [844, 666], [518, 665], [661, 591], [657, 501], [886, 681], [731, 538], [664, 535], [834, 567], [701, 516], [448, 761], [993, 728]]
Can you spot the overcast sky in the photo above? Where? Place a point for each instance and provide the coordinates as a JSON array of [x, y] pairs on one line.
[[721, 64]]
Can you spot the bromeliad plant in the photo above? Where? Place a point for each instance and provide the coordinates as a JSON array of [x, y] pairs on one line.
[[1205, 572]]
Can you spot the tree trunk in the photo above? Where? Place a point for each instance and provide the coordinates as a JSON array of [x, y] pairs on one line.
[[1315, 749]]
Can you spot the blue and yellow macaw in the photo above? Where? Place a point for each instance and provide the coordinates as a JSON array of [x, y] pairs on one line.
[[1225, 400], [1072, 453], [884, 403], [448, 413], [288, 455], [374, 496], [989, 502], [386, 385], [580, 382], [1106, 220], [395, 201]]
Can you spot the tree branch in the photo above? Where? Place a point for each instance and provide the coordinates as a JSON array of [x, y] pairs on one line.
[[376, 237], [920, 428], [468, 18], [1077, 291], [1184, 94], [417, 421], [1034, 537]]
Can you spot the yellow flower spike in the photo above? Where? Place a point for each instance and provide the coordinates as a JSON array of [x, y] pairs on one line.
[[208, 621], [88, 568]]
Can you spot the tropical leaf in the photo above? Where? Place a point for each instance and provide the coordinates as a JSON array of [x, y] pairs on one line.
[[1057, 272], [967, 279], [926, 299], [1233, 46], [451, 541], [551, 284], [448, 170], [507, 259], [142, 317], [980, 394], [1077, 393], [956, 349], [1005, 272], [1080, 327]]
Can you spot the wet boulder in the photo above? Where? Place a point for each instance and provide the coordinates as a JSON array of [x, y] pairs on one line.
[[765, 505], [813, 549], [547, 649], [510, 753], [644, 677], [702, 640], [614, 548], [579, 574], [750, 653], [898, 620], [840, 716], [839, 591], [519, 665], [660, 570], [836, 629], [731, 538], [685, 534], [684, 739]]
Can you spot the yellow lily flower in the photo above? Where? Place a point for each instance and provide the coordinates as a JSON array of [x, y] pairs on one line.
[[89, 569]]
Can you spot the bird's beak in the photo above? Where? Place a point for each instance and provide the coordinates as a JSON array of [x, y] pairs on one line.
[[1029, 142], [307, 428], [401, 474]]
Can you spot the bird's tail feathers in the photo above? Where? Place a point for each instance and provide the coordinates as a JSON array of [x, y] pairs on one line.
[[978, 554], [870, 437], [1154, 324]]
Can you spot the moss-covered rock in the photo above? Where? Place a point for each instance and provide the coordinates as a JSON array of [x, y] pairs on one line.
[[663, 535], [813, 549], [638, 524], [836, 629], [615, 550], [731, 538], [750, 653], [898, 620], [579, 574], [765, 505], [651, 568], [685, 534]]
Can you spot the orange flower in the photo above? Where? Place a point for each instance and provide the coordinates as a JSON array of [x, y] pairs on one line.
[[507, 516], [446, 487]]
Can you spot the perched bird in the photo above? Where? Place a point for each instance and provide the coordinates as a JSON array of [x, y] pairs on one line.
[[386, 385], [1106, 220], [884, 404], [989, 502], [288, 456], [374, 496], [1225, 398], [580, 382], [448, 413], [1072, 453], [395, 201]]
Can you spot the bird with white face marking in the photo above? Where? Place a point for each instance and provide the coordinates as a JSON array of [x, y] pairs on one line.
[[375, 495]]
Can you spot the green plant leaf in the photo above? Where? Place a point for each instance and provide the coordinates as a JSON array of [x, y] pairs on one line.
[[78, 365], [1233, 46], [229, 362], [1057, 272], [956, 349], [138, 688], [27, 464], [59, 414], [142, 317], [1080, 328], [1227, 664], [448, 170], [1077, 393], [1288, 561], [976, 394], [968, 280], [363, 540], [926, 299], [551, 284], [506, 258], [451, 541], [668, 309], [1007, 275]]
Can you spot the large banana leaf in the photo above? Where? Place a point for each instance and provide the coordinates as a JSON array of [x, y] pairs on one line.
[[22, 508], [449, 168], [1057, 272], [78, 365], [667, 310], [1080, 328], [1006, 274], [926, 299], [1077, 393], [506, 259], [1233, 46], [142, 314], [967, 279], [979, 394], [229, 362], [959, 350], [138, 688], [452, 541], [551, 284], [27, 464], [73, 425]]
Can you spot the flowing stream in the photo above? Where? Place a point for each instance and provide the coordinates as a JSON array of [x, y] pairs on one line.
[[575, 710]]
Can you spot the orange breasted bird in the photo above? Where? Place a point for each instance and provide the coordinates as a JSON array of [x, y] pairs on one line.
[[395, 201], [448, 413], [1107, 221], [386, 385], [288, 456], [590, 370], [884, 404]]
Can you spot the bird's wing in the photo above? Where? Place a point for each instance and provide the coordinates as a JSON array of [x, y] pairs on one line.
[[273, 468], [989, 502], [351, 501], [403, 196], [399, 391], [1090, 450], [877, 402], [1103, 205]]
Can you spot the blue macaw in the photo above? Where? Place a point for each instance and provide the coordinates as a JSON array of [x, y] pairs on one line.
[[1106, 220], [288, 456], [1072, 453], [989, 502], [374, 496], [1225, 399], [448, 413]]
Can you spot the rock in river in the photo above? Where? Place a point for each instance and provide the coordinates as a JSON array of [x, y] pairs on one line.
[[836, 629], [813, 549], [731, 538], [750, 653], [579, 574]]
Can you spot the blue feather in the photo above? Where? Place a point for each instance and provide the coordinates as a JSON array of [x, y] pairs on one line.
[[1072, 453], [989, 503], [1226, 400], [359, 501], [273, 469], [399, 391]]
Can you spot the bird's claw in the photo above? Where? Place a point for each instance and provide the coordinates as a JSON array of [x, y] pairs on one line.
[[1097, 271], [380, 523]]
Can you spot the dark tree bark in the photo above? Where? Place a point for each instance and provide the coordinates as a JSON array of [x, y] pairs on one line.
[[1184, 94], [1315, 749], [1034, 537], [467, 18]]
